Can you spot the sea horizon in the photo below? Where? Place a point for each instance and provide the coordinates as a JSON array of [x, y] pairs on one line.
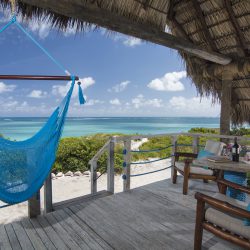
[[22, 128]]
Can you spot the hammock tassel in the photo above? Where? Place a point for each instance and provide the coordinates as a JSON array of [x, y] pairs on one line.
[[80, 94]]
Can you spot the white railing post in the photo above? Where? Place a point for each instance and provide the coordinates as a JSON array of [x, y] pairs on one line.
[[126, 165], [174, 147], [111, 166], [93, 177], [196, 144]]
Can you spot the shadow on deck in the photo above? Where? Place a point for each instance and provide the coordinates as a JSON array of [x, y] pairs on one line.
[[155, 216]]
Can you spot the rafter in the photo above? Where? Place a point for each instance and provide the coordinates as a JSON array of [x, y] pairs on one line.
[[91, 13], [146, 4], [204, 25], [171, 17], [240, 36]]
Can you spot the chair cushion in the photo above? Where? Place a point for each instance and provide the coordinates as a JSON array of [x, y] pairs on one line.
[[214, 147], [203, 154], [235, 202], [227, 222], [194, 170]]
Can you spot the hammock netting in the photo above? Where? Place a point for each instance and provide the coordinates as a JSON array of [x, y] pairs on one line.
[[26, 164]]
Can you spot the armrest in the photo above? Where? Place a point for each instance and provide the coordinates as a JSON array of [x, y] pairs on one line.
[[183, 154], [234, 185], [222, 205]]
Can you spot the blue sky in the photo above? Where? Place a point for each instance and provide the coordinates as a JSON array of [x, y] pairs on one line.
[[121, 76]]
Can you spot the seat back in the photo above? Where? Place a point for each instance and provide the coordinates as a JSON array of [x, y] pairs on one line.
[[214, 147]]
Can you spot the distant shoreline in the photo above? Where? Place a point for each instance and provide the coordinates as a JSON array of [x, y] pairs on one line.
[[21, 128]]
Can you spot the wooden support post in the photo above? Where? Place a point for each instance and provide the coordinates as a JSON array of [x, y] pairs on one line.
[[200, 214], [226, 98], [174, 147], [196, 144], [126, 166], [93, 177], [34, 205], [111, 166], [48, 203]]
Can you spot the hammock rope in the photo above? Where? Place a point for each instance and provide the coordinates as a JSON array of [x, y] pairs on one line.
[[26, 164]]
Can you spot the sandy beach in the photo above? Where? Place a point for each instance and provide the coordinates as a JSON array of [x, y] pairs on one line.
[[70, 187]]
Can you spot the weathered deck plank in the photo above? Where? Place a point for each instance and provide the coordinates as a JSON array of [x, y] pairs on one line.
[[12, 237], [22, 236], [4, 240], [42, 234], [93, 240], [155, 216], [63, 233], [54, 237], [32, 234]]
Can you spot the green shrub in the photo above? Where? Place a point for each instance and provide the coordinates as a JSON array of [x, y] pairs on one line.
[[74, 153], [204, 130]]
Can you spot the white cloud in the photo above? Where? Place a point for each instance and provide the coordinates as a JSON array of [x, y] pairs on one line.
[[128, 41], [115, 101], [194, 106], [93, 102], [62, 90], [132, 41], [37, 94], [119, 87], [6, 88], [140, 101], [169, 82]]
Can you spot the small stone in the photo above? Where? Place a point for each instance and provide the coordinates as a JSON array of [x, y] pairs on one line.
[[86, 173], [69, 173], [77, 173], [60, 174], [53, 176], [98, 174]]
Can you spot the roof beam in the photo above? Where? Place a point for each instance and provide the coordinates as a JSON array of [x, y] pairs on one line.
[[90, 12], [204, 25], [171, 17], [236, 26]]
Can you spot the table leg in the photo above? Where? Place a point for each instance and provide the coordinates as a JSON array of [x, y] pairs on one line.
[[220, 176]]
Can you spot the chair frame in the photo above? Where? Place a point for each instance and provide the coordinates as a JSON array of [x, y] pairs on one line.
[[186, 173], [201, 223]]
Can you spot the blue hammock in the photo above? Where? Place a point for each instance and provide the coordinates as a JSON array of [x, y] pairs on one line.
[[26, 164]]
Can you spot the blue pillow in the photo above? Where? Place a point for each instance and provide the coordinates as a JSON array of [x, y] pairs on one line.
[[247, 221], [203, 154]]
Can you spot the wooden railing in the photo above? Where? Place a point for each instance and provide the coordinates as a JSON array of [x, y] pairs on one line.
[[126, 141], [109, 147]]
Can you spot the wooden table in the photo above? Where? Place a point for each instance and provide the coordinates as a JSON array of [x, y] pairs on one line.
[[242, 167]]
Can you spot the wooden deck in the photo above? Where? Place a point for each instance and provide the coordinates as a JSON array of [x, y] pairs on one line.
[[155, 216]]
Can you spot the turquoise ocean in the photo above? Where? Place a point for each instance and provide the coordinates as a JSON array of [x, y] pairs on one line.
[[23, 128]]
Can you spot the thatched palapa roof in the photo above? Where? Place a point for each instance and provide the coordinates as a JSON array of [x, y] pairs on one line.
[[213, 36]]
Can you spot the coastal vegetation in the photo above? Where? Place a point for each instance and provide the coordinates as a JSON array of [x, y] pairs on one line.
[[74, 153]]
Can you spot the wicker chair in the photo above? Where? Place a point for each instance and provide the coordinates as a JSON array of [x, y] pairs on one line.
[[223, 216], [185, 167]]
